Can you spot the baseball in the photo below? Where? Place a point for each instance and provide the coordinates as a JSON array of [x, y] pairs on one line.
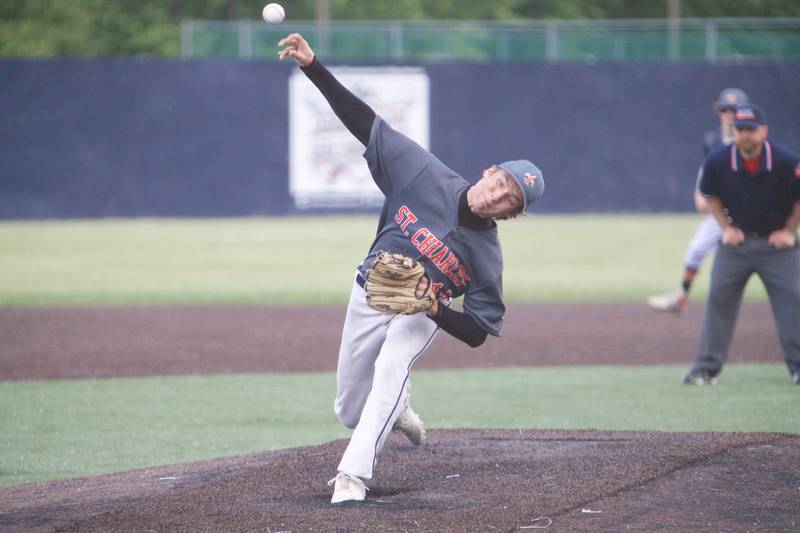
[[273, 13]]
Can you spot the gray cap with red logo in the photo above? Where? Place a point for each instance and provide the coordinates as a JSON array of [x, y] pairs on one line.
[[730, 98], [528, 177]]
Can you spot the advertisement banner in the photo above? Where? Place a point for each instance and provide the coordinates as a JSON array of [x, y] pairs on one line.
[[326, 164]]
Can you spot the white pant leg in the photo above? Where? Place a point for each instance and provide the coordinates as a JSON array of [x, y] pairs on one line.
[[705, 239], [371, 383], [362, 337]]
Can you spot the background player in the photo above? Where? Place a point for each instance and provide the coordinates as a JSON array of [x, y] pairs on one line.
[[708, 233], [430, 214], [753, 190]]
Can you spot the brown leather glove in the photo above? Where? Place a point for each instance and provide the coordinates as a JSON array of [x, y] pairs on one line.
[[392, 282]]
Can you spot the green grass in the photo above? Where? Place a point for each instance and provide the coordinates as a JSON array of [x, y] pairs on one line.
[[66, 428], [57, 429], [311, 259]]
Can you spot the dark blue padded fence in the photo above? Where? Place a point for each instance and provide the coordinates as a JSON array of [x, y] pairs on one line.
[[210, 138], [128, 138], [608, 137]]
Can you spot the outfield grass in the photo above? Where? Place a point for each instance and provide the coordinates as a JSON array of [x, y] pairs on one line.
[[311, 259], [67, 428]]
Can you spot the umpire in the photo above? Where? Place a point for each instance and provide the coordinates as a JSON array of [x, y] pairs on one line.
[[753, 190]]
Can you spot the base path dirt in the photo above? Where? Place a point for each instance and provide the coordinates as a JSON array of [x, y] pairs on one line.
[[109, 342], [461, 480]]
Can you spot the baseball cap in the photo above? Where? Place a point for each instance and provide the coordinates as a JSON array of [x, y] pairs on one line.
[[529, 178], [749, 116], [730, 98]]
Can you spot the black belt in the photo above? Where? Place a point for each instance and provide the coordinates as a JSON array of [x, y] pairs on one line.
[[360, 280]]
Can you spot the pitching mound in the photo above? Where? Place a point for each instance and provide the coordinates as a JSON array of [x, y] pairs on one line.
[[460, 480]]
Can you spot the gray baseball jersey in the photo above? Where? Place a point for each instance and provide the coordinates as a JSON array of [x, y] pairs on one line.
[[420, 220]]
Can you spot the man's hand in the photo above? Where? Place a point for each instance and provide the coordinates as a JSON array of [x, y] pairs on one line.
[[433, 309], [700, 203], [421, 285], [782, 239], [732, 236], [296, 47]]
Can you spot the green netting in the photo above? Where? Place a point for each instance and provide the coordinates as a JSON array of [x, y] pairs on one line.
[[216, 43], [756, 44], [477, 41]]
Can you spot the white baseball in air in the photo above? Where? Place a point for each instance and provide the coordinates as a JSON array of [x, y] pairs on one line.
[[273, 13]]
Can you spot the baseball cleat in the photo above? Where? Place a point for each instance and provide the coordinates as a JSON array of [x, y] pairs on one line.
[[673, 302], [699, 377], [347, 488], [410, 424], [796, 378]]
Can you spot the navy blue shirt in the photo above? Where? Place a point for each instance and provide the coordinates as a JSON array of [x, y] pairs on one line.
[[756, 204], [421, 220]]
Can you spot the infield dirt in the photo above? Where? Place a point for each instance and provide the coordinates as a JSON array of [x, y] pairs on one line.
[[42, 343]]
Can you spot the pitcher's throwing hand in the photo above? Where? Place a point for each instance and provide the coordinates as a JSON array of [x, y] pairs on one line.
[[296, 47]]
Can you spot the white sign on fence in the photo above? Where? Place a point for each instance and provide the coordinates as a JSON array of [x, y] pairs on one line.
[[326, 164]]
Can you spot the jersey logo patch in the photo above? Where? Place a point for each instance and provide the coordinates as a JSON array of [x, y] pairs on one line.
[[530, 179], [433, 248]]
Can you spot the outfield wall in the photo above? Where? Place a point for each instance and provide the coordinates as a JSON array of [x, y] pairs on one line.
[[99, 138]]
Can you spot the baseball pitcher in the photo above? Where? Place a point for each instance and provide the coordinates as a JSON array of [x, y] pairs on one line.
[[437, 240]]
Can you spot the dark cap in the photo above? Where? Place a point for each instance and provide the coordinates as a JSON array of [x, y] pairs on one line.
[[528, 177], [749, 116], [731, 98]]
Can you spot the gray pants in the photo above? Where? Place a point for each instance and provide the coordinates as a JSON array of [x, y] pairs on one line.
[[733, 266]]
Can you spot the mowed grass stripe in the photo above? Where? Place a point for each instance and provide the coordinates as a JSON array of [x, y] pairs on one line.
[[312, 259], [67, 428]]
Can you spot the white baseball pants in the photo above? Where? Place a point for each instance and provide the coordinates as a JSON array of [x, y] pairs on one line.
[[372, 376], [705, 239]]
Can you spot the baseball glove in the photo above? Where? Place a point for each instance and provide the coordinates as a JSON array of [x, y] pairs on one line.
[[391, 285]]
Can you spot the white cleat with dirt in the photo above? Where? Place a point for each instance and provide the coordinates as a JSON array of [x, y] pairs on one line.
[[671, 302], [347, 488], [410, 425]]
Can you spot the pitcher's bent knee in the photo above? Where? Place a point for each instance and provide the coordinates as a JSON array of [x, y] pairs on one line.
[[346, 418]]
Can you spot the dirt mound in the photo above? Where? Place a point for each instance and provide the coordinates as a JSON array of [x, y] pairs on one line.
[[461, 480]]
